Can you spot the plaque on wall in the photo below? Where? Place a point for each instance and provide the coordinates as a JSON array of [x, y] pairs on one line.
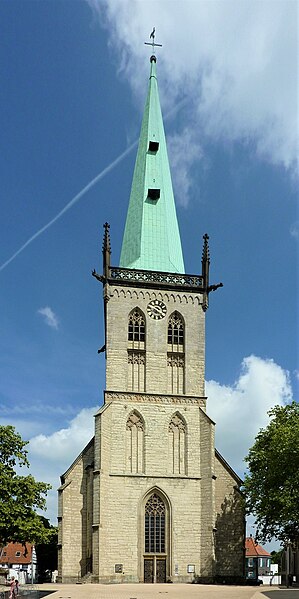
[[118, 568]]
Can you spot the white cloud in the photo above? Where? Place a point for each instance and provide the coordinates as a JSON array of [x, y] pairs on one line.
[[51, 455], [236, 61], [241, 410], [64, 444], [294, 229], [50, 317], [183, 147]]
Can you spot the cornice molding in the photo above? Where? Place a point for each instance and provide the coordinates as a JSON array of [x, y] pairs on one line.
[[129, 397]]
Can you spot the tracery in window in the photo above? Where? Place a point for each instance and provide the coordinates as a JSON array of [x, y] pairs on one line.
[[177, 445], [135, 443], [136, 328], [154, 525], [175, 354], [136, 351], [175, 335]]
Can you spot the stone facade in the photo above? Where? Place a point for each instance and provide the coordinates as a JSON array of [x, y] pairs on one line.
[[153, 442]]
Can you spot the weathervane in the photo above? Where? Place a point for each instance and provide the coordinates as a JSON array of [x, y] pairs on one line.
[[152, 43]]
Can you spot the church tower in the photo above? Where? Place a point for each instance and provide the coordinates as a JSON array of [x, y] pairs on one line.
[[150, 499]]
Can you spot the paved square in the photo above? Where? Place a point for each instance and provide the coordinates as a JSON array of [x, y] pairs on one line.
[[166, 591]]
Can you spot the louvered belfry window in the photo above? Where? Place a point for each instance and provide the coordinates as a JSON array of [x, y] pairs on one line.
[[176, 331], [136, 328], [154, 533]]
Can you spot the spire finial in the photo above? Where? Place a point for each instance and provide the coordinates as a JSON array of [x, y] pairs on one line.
[[152, 44]]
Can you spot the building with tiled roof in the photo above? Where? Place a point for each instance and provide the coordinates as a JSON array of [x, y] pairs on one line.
[[20, 558], [257, 559]]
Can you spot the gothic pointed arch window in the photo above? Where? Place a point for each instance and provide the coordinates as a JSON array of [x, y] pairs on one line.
[[176, 354], [177, 437], [154, 525], [136, 351], [135, 443], [136, 328]]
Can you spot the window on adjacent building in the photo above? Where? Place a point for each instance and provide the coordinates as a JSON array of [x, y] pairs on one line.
[[18, 554]]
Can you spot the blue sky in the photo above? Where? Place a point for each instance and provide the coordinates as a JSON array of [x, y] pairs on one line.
[[74, 78]]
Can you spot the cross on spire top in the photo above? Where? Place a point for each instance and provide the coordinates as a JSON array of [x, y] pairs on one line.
[[152, 43]]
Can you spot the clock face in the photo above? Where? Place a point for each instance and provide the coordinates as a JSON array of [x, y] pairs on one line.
[[156, 309]]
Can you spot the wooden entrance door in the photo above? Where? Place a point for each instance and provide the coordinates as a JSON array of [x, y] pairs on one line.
[[149, 569], [155, 569], [160, 569]]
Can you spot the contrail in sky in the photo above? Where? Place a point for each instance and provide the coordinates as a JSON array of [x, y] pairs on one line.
[[70, 203], [81, 193]]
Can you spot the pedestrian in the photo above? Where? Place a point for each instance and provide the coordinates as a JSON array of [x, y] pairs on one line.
[[12, 588]]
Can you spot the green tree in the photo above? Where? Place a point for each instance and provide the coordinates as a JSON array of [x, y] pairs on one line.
[[20, 496], [272, 485]]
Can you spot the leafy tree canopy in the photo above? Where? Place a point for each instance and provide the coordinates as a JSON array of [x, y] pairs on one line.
[[20, 496], [272, 485]]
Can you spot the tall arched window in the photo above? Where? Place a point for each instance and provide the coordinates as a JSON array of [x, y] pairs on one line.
[[176, 354], [136, 328], [136, 351], [177, 445], [135, 443], [176, 332], [154, 525]]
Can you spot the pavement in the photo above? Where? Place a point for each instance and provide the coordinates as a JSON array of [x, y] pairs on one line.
[[163, 591]]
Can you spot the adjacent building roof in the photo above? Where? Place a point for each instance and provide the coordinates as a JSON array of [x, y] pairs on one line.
[[16, 553], [253, 549], [151, 239]]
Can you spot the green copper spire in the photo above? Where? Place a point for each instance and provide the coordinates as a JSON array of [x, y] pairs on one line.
[[151, 239]]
